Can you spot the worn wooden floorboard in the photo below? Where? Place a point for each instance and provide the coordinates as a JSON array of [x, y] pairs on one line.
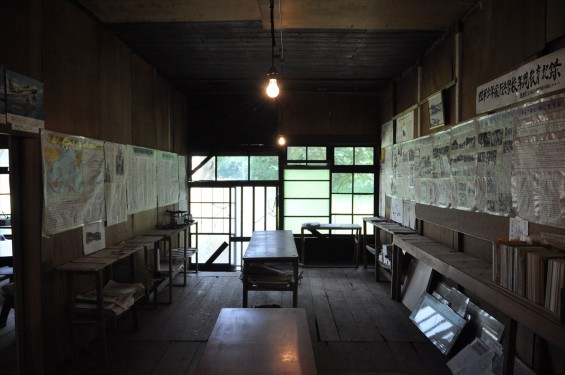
[[355, 327]]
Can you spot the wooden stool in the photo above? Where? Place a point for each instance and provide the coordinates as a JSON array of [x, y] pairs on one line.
[[7, 292]]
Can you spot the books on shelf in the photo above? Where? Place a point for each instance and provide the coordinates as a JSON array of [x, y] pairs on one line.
[[533, 272], [555, 283]]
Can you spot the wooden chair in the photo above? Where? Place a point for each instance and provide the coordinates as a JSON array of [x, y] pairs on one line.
[[7, 292]]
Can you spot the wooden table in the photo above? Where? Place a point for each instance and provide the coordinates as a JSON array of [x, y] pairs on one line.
[[259, 341], [275, 247], [314, 229]]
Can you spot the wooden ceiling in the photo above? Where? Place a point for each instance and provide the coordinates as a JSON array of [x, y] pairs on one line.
[[209, 46]]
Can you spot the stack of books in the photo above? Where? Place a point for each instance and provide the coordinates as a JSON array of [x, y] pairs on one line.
[[534, 272]]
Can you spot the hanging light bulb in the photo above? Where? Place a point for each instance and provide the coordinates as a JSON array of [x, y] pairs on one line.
[[282, 140], [273, 88]]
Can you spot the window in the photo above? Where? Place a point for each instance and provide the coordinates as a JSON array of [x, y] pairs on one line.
[[236, 168], [352, 197], [306, 197], [354, 156], [305, 155]]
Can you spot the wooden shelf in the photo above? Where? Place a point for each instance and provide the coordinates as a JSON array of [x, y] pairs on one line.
[[475, 275]]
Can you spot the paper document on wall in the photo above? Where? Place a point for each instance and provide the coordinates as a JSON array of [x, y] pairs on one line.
[[167, 178], [115, 183], [141, 177], [397, 210], [538, 180], [463, 165]]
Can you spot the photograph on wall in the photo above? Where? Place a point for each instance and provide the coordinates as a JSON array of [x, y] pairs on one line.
[[24, 102], [441, 172], [2, 95], [405, 127], [435, 108]]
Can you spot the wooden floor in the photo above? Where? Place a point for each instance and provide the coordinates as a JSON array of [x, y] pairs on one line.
[[355, 327]]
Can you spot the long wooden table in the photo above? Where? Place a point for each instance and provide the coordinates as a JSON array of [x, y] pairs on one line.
[[314, 229], [259, 341], [274, 248]]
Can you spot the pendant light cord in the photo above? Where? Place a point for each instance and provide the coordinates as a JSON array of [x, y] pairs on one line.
[[272, 34]]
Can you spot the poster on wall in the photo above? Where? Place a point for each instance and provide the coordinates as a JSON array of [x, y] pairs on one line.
[[397, 210], [494, 162], [387, 134], [183, 194], [115, 183], [24, 103], [141, 177], [63, 184], [435, 108], [93, 237], [541, 76], [405, 127], [463, 165], [441, 172], [93, 175], [167, 178], [2, 95], [386, 179], [538, 181], [425, 187], [405, 159]]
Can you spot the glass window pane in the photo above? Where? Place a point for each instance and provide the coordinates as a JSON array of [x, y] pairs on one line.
[[363, 204], [247, 206], [4, 157], [259, 203], [271, 208], [296, 153], [306, 189], [232, 168], [343, 156], [307, 174], [342, 183], [364, 183], [364, 156], [264, 168], [342, 219], [4, 184], [342, 204], [5, 208], [207, 172], [306, 207], [316, 153]]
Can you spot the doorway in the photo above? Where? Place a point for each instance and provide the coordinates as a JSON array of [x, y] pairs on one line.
[[8, 339]]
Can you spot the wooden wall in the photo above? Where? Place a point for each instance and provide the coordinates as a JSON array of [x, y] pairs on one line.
[[495, 38], [95, 87]]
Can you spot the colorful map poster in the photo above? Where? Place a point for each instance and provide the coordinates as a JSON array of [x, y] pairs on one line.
[[63, 183], [73, 180]]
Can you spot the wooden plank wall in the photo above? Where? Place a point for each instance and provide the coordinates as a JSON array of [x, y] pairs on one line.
[[496, 37], [94, 87]]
